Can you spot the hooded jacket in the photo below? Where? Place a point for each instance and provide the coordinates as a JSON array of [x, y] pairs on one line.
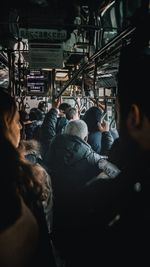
[[72, 162]]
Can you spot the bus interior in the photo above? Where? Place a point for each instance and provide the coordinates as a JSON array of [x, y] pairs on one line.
[[67, 49]]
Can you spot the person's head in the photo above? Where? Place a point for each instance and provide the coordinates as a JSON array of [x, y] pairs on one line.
[[35, 114], [42, 106], [72, 114], [63, 107], [9, 118], [92, 116], [77, 128], [133, 89]]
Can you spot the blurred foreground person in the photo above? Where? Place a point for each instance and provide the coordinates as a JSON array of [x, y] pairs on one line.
[[123, 203], [19, 232], [24, 239]]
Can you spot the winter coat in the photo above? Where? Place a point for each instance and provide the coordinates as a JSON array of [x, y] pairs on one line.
[[71, 163], [119, 216]]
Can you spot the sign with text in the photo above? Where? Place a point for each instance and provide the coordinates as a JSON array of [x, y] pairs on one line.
[[43, 34]]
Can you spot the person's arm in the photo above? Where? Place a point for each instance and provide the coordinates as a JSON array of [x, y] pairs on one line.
[[48, 128], [107, 139]]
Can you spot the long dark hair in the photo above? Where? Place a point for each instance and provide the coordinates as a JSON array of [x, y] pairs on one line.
[[9, 198], [7, 106], [17, 175]]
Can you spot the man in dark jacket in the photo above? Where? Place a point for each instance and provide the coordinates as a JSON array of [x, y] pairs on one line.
[[121, 206], [54, 123], [71, 159], [72, 164]]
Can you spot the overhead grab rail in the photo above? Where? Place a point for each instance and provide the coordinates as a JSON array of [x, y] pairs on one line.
[[115, 41]]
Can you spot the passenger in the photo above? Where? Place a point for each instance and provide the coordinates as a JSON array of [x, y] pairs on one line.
[[62, 120], [19, 231], [48, 127], [42, 106], [99, 136], [54, 123], [75, 155], [26, 184], [32, 129], [123, 203], [72, 164], [72, 114]]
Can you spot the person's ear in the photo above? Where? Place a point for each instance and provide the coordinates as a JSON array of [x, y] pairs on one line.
[[134, 118]]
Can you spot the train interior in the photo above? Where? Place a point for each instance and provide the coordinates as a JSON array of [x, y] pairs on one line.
[[65, 49]]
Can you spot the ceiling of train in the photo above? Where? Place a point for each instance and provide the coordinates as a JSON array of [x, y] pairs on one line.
[[76, 39]]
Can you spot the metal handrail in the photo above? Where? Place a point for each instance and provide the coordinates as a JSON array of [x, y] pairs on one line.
[[115, 41]]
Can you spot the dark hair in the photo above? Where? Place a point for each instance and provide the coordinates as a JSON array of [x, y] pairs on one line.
[[134, 72], [64, 106], [42, 105], [17, 176], [92, 116], [35, 114], [7, 105], [9, 199]]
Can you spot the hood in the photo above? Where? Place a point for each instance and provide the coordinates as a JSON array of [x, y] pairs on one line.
[[30, 146]]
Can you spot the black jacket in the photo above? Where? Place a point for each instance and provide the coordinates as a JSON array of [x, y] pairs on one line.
[[48, 130], [72, 161], [119, 217]]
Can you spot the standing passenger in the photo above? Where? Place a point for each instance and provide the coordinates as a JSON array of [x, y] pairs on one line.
[[121, 206], [99, 136]]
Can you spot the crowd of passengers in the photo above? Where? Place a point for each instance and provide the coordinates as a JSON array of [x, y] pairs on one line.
[[72, 194]]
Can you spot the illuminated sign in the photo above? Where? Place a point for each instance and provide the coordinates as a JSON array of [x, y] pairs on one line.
[[43, 34]]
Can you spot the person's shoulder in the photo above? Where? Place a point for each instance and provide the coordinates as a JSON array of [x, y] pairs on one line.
[[18, 242]]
